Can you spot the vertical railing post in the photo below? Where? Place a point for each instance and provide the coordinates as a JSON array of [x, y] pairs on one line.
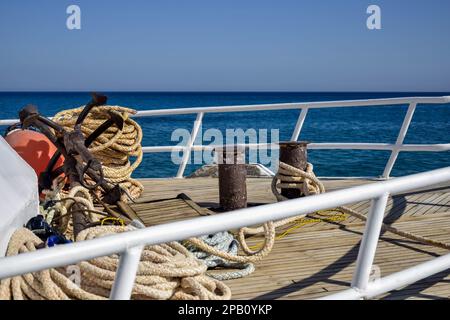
[[299, 124], [126, 273], [232, 178], [368, 247], [187, 150], [400, 138]]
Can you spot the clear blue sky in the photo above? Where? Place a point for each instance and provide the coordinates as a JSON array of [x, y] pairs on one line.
[[227, 45]]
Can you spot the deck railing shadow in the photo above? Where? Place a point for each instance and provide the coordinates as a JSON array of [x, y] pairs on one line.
[[349, 257]]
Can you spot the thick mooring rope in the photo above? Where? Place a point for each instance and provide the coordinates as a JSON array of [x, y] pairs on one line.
[[113, 148], [290, 177], [166, 271], [226, 243]]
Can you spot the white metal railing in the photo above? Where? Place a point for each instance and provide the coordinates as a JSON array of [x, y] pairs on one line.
[[129, 245], [395, 148]]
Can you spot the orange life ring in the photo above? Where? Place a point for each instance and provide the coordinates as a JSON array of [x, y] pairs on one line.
[[34, 147]]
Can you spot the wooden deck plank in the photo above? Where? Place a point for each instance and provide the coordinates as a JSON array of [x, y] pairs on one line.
[[319, 258]]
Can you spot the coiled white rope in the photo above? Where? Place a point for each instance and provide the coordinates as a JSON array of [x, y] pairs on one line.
[[226, 243], [166, 271]]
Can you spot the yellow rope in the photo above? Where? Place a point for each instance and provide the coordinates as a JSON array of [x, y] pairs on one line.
[[304, 221], [120, 221]]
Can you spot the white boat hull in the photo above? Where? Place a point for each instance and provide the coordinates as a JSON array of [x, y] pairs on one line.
[[19, 198]]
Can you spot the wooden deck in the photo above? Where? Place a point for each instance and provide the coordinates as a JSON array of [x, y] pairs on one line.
[[319, 258]]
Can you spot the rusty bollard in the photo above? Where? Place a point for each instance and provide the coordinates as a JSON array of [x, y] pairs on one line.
[[294, 154], [232, 178]]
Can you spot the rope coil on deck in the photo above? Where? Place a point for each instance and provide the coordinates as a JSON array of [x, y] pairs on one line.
[[226, 243], [113, 148], [166, 271]]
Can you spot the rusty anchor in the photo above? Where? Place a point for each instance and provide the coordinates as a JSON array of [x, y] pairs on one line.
[[79, 162]]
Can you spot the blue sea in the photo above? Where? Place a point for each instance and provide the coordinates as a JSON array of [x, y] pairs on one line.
[[431, 124]]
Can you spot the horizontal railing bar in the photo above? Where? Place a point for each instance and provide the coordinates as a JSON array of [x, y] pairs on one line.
[[8, 122], [287, 106], [395, 280], [282, 106], [425, 147], [180, 230], [372, 178], [314, 146], [351, 146]]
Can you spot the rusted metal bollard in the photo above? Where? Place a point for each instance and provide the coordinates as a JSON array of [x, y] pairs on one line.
[[232, 178], [294, 154]]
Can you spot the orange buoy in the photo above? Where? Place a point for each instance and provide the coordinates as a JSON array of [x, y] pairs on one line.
[[34, 147]]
